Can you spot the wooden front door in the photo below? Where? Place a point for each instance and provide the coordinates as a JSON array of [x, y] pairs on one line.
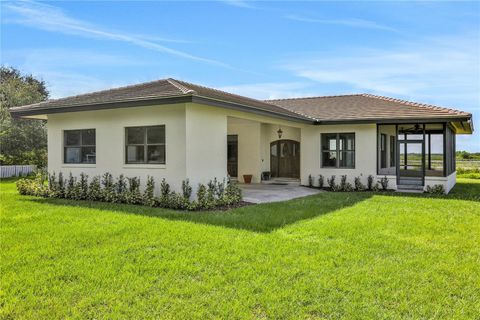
[[285, 159]]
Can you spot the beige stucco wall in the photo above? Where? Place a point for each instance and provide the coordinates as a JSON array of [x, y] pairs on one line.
[[206, 143], [110, 126], [365, 152]]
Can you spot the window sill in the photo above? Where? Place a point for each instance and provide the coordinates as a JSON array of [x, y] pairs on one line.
[[144, 166], [79, 165]]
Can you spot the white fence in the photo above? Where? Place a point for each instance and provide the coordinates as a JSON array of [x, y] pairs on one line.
[[16, 171]]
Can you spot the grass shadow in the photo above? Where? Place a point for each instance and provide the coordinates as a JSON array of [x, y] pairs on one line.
[[258, 218]]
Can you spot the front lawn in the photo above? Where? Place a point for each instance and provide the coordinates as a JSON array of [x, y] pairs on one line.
[[332, 255]]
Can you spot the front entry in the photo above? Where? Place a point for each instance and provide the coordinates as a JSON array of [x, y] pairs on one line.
[[285, 159]]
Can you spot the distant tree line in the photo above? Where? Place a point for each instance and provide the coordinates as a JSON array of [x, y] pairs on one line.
[[22, 141], [465, 155]]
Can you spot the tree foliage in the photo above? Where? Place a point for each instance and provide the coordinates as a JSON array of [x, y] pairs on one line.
[[22, 141]]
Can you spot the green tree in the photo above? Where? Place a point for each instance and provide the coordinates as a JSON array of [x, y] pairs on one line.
[[22, 141]]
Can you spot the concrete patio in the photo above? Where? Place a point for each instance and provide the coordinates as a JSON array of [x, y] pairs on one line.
[[264, 193]]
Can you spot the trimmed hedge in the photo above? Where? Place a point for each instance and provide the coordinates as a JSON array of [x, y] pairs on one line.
[[127, 190]]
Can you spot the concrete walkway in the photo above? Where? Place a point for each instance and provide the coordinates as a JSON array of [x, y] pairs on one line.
[[263, 193]]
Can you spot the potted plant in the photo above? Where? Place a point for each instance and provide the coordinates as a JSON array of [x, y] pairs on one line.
[[247, 178]]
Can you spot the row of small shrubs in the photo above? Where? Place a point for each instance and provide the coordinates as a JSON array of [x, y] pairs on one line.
[[343, 185], [127, 190]]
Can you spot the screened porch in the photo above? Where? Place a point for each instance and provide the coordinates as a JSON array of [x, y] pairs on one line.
[[414, 151]]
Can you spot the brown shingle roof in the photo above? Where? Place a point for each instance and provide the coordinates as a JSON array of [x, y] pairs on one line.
[[155, 90], [358, 107], [364, 107]]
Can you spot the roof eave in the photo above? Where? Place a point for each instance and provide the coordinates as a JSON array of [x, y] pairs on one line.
[[24, 111]]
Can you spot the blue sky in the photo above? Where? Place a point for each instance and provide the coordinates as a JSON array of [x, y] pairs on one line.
[[422, 51]]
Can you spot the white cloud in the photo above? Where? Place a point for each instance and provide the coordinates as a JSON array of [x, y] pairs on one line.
[[239, 3], [53, 19], [348, 22], [434, 69]]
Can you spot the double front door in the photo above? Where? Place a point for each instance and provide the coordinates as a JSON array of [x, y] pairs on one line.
[[285, 159]]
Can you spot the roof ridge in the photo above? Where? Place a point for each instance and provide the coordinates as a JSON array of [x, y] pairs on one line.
[[222, 91], [181, 82], [181, 87], [415, 104], [316, 97]]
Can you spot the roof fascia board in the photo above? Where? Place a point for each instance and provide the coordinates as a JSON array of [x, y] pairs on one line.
[[393, 121], [104, 106]]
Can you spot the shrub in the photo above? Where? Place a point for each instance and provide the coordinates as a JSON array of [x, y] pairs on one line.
[[436, 189], [83, 187], [321, 181], [95, 190], [233, 194], [343, 182], [148, 197], [211, 191], [33, 187], [344, 185], [220, 189], [120, 189], [310, 181], [186, 189], [164, 193], [108, 192], [370, 182], [202, 198], [331, 183], [128, 190], [376, 187], [61, 185], [133, 195], [53, 186], [70, 187], [359, 186], [384, 183]]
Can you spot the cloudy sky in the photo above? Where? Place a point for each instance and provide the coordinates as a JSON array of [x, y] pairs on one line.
[[422, 51]]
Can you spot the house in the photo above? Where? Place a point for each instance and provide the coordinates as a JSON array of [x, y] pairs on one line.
[[177, 130]]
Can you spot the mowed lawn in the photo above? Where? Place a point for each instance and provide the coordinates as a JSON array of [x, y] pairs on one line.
[[328, 256]]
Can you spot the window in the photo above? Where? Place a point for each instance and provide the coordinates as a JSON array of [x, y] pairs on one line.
[[383, 150], [145, 145], [393, 148], [338, 150], [79, 146]]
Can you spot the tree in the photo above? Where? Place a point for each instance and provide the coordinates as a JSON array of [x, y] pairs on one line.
[[22, 141]]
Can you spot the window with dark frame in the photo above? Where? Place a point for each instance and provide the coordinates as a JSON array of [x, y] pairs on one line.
[[338, 150], [393, 148], [79, 146], [145, 145], [383, 150]]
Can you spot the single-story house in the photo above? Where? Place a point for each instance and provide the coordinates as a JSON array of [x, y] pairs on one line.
[[177, 130]]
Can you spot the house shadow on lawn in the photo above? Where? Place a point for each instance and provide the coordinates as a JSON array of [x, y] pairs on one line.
[[267, 217], [257, 218]]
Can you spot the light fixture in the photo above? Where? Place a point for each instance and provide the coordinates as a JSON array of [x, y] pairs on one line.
[[280, 132]]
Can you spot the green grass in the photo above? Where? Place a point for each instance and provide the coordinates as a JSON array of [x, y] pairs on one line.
[[332, 255]]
